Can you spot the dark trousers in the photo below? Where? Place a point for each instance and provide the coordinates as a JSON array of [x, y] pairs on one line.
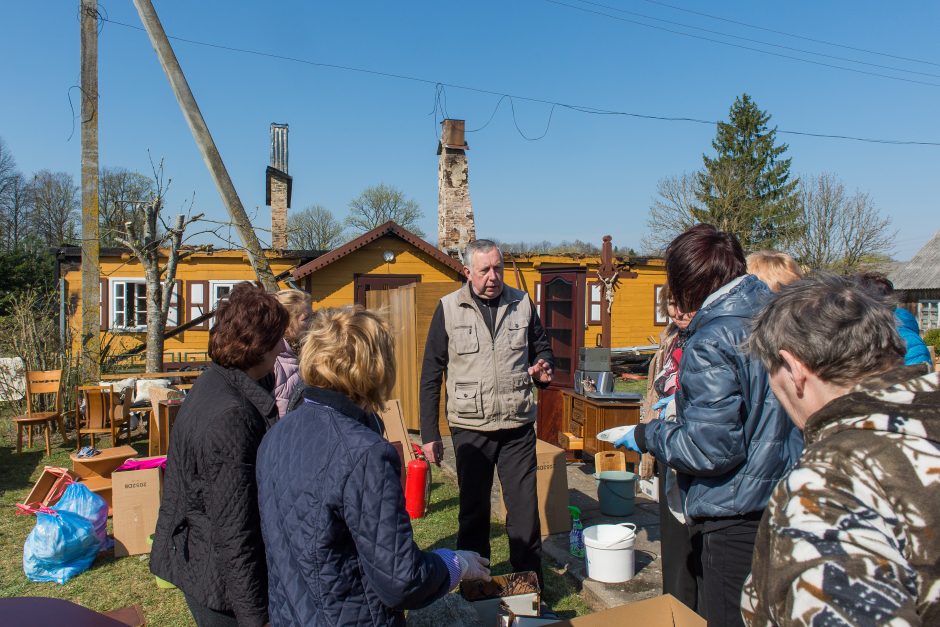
[[512, 453], [725, 558], [206, 617], [675, 543]]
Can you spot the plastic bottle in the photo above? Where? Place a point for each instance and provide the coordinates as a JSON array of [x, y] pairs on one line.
[[576, 535]]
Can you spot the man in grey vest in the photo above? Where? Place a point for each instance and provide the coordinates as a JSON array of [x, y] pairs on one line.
[[489, 341]]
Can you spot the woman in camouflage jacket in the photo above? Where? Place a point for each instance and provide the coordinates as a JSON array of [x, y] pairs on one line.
[[852, 535]]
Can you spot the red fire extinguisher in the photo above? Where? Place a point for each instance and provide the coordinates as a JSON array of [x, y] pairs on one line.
[[418, 488]]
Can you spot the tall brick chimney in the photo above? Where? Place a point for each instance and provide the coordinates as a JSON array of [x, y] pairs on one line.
[[278, 186], [455, 225]]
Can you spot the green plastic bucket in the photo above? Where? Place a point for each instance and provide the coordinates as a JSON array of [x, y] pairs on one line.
[[161, 583], [615, 492]]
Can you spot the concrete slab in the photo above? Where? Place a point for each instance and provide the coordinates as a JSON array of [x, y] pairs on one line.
[[582, 489]]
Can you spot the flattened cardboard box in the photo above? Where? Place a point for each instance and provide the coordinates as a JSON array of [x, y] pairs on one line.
[[136, 496], [551, 478], [661, 611]]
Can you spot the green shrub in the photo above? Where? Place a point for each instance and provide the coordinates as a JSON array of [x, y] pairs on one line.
[[932, 338]]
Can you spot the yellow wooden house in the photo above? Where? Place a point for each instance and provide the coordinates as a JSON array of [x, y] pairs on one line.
[[202, 279]]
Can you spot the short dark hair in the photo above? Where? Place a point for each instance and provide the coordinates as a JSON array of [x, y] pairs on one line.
[[248, 324], [875, 282], [700, 261], [842, 332]]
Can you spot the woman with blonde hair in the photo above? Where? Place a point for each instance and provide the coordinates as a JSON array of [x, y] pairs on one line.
[[774, 268], [299, 305], [339, 545]]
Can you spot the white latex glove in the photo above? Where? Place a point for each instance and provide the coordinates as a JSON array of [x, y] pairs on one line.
[[473, 565]]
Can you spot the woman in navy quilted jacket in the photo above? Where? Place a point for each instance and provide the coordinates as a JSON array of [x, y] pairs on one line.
[[337, 537]]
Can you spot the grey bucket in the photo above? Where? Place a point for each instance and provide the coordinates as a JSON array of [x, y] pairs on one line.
[[615, 491]]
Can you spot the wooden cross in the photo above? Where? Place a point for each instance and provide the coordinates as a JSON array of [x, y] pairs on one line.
[[609, 274]]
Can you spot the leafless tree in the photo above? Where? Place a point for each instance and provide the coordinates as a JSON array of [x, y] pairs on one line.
[[380, 203], [55, 204], [314, 228], [672, 212], [158, 247], [840, 230], [119, 190], [15, 211], [7, 167]]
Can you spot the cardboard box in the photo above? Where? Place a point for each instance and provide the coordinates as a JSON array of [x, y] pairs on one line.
[[649, 488], [661, 611], [136, 497], [552, 486]]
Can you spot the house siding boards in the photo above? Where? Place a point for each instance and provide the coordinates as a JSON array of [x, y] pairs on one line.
[[633, 312], [334, 284], [198, 268], [917, 283]]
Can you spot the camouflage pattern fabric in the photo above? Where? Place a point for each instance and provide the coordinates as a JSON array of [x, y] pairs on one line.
[[852, 535]]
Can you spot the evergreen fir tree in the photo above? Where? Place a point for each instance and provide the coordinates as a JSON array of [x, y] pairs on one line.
[[746, 188]]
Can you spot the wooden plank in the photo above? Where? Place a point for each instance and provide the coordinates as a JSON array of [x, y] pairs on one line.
[[395, 430], [427, 296]]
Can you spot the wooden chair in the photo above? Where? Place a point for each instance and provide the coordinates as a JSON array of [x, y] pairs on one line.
[[41, 382], [102, 414]]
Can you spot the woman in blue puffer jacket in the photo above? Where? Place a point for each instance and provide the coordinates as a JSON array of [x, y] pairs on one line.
[[731, 441], [336, 534]]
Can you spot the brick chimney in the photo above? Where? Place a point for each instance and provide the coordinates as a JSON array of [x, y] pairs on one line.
[[455, 226], [278, 186]]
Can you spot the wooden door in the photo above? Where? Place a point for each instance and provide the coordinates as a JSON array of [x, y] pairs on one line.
[[370, 282], [562, 314]]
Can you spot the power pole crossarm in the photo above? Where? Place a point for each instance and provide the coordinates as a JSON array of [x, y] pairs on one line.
[[210, 153]]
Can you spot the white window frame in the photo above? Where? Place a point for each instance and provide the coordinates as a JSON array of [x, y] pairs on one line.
[[213, 297], [113, 297], [928, 315]]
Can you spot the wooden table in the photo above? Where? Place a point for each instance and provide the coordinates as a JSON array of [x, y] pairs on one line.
[[160, 426], [586, 417], [95, 472]]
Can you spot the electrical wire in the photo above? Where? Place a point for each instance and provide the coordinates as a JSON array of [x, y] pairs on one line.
[[794, 35], [741, 46], [501, 95], [758, 41]]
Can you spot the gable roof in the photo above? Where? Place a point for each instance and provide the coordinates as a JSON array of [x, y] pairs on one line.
[[923, 271], [389, 228]]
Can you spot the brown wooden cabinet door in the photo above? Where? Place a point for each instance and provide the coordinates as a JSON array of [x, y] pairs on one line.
[[562, 314]]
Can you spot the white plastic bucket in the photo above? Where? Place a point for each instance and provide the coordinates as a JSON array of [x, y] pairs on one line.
[[608, 552]]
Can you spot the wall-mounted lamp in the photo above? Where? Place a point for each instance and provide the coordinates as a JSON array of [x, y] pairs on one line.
[[388, 256]]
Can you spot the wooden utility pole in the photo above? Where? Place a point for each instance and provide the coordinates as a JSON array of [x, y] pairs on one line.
[[91, 276], [210, 153]]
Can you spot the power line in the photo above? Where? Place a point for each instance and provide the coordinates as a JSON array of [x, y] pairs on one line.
[[757, 41], [794, 35], [501, 95], [740, 46]]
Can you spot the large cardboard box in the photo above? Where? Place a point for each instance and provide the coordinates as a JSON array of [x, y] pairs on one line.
[[552, 487], [661, 611], [136, 498]]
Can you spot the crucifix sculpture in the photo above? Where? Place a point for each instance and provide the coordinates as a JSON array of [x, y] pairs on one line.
[[609, 275]]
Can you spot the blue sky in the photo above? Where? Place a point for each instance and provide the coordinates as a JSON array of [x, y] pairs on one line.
[[589, 175]]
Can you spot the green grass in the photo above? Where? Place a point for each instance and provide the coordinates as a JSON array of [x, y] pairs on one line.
[[112, 583], [637, 386], [439, 530]]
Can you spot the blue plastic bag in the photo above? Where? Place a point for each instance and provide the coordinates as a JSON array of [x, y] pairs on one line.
[[78, 499], [60, 546]]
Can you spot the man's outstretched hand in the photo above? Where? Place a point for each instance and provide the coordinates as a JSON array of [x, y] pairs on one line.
[[541, 371], [434, 452]]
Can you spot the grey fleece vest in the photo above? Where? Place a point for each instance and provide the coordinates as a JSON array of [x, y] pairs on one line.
[[488, 383]]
